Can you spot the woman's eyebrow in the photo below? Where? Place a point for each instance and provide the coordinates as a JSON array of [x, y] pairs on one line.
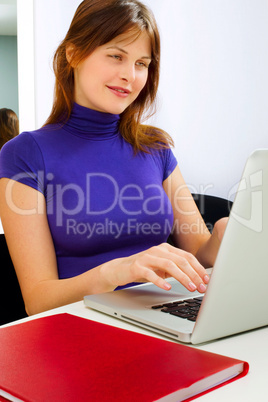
[[124, 51]]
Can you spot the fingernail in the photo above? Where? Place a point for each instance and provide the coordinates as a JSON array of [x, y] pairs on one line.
[[206, 278], [167, 286], [192, 286], [202, 288]]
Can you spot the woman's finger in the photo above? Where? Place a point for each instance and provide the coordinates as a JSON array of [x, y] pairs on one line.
[[183, 260], [178, 268]]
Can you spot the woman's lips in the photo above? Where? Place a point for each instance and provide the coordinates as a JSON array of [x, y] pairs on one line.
[[119, 91]]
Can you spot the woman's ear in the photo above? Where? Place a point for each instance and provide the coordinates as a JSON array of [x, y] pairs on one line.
[[70, 50]]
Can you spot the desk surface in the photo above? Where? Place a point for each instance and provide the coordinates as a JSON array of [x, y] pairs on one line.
[[251, 347]]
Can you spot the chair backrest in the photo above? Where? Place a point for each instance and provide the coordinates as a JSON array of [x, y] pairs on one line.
[[11, 301]]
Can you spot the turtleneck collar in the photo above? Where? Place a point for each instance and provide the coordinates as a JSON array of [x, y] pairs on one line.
[[92, 124]]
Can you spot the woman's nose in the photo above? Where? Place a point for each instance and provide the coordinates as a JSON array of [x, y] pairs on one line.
[[128, 73]]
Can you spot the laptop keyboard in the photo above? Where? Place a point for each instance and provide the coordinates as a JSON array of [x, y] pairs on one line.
[[187, 309]]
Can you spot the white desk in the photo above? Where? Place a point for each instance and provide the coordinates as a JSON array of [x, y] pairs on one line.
[[251, 347]]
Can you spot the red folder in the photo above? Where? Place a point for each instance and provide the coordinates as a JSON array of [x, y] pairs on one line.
[[67, 358]]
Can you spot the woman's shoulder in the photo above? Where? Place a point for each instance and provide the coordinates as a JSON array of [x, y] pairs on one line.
[[20, 152], [162, 158], [24, 142], [21, 159], [29, 140]]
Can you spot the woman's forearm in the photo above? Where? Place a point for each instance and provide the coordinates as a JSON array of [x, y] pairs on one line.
[[49, 294]]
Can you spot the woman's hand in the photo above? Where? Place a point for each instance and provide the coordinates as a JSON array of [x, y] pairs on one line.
[[155, 265]]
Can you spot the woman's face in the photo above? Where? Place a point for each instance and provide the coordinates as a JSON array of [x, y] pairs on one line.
[[111, 77]]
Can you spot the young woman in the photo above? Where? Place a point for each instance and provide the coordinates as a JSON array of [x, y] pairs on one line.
[[89, 200]]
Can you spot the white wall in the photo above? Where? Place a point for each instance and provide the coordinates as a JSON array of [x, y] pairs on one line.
[[213, 96], [50, 29]]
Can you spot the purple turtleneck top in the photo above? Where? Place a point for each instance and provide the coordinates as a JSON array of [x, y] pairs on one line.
[[103, 201]]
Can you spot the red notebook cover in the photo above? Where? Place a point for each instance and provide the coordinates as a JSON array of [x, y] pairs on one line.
[[67, 358]]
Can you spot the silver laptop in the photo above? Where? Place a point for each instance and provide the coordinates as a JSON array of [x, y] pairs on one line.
[[236, 299]]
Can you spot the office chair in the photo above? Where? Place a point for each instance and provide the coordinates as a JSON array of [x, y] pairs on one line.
[[11, 301]]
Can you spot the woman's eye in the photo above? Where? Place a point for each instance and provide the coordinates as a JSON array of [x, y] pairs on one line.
[[142, 64], [116, 56]]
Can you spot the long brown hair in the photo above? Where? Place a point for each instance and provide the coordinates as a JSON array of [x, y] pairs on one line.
[[9, 125], [95, 23]]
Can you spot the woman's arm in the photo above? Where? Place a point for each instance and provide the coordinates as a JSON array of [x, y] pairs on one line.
[[23, 214], [190, 231], [208, 251]]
